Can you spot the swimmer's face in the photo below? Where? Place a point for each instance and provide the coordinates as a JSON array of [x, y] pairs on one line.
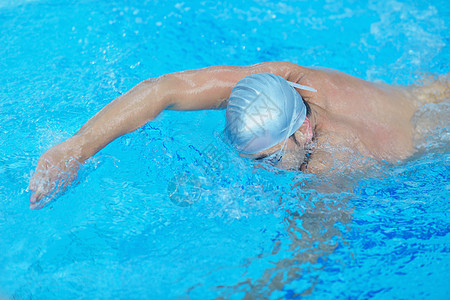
[[292, 154]]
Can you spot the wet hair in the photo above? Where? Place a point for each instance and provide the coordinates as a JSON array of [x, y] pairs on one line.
[[308, 108]]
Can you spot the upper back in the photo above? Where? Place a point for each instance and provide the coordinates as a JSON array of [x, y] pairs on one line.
[[371, 118]]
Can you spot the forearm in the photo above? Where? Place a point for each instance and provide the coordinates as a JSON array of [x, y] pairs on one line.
[[125, 114]]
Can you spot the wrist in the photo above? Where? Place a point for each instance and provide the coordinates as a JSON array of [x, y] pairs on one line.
[[80, 147]]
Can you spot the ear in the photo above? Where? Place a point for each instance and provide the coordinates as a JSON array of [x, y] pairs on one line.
[[304, 134]]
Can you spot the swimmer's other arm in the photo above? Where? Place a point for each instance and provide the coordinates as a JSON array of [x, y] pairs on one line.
[[207, 88]]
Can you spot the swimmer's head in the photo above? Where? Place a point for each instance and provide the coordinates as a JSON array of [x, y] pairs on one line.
[[263, 110]]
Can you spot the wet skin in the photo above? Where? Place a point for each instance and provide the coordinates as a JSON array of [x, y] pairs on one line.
[[349, 117], [373, 120]]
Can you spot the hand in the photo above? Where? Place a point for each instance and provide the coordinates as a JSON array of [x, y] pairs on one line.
[[56, 170]]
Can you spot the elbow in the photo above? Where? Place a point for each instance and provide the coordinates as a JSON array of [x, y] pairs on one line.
[[161, 88]]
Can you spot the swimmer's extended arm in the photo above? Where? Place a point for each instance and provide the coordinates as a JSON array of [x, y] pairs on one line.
[[206, 88]]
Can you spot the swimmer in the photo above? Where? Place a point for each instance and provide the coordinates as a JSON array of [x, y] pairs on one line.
[[322, 119]]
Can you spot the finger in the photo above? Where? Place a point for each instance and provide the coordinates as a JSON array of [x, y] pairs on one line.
[[39, 202], [36, 196], [37, 205], [45, 194], [44, 200], [37, 179], [46, 186], [33, 183], [32, 205], [34, 200], [40, 191]]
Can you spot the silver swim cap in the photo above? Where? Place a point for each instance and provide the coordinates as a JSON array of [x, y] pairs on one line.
[[263, 110]]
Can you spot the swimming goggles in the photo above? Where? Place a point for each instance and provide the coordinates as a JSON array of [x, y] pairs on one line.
[[275, 157]]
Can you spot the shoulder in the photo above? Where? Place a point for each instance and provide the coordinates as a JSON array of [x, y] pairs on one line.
[[319, 163]]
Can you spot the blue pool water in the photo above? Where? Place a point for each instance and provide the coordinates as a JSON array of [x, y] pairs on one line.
[[167, 212]]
